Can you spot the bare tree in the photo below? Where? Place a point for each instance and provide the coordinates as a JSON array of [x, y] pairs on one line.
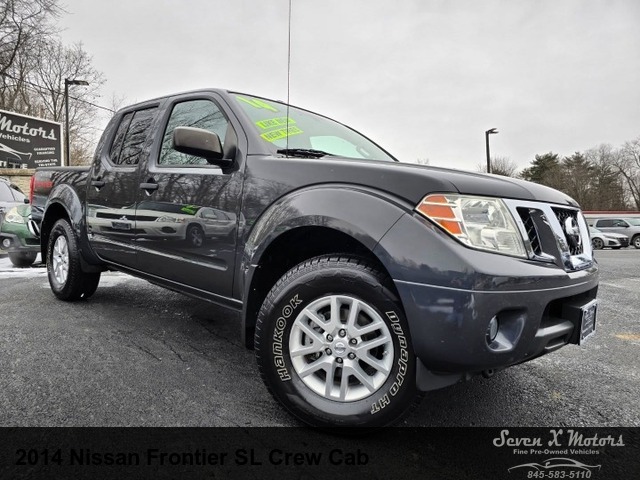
[[500, 166], [54, 64], [628, 163], [21, 23]]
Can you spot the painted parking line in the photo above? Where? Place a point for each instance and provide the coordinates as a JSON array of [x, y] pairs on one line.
[[634, 337]]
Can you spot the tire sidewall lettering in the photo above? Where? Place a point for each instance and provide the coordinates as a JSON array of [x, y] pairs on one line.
[[278, 338], [401, 362]]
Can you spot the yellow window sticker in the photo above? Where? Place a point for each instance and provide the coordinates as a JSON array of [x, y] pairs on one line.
[[275, 122], [281, 133], [257, 103]]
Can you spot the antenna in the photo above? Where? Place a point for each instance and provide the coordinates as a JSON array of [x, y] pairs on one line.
[[288, 74]]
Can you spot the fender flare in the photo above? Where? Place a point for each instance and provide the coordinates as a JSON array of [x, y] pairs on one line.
[[362, 213], [65, 197]]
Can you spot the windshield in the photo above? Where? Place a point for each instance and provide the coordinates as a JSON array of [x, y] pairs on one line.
[[633, 221], [309, 134]]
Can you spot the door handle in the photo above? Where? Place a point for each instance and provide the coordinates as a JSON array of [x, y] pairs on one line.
[[97, 183], [149, 186]]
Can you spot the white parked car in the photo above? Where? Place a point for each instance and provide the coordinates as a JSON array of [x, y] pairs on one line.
[[600, 239]]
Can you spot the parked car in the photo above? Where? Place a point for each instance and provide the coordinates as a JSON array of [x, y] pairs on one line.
[[625, 226], [10, 196], [16, 239], [18, 236], [600, 239], [359, 280]]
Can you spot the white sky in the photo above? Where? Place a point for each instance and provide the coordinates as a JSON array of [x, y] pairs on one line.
[[423, 78]]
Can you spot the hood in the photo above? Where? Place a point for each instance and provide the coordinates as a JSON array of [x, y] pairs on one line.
[[415, 181], [500, 186]]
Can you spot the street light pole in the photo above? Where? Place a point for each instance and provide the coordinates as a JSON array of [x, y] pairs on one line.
[[68, 82], [486, 140]]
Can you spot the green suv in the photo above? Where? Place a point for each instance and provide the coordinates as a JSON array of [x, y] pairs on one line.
[[18, 233]]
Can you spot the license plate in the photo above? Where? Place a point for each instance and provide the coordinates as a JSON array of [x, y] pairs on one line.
[[121, 226], [588, 320]]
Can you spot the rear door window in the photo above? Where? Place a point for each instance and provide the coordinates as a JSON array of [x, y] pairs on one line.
[[131, 137], [604, 223]]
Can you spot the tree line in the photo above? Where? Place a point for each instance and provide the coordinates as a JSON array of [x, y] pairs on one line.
[[601, 178], [34, 64]]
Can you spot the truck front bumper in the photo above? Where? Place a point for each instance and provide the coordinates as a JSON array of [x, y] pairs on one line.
[[451, 334], [451, 295]]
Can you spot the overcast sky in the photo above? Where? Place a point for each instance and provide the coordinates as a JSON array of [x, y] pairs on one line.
[[423, 78]]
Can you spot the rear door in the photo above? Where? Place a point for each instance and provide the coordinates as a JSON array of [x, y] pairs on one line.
[[112, 187], [188, 209]]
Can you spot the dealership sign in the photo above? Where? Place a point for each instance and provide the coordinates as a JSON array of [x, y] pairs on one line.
[[29, 142]]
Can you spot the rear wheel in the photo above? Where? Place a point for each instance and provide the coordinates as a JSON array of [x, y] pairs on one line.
[[67, 279], [597, 243], [333, 345], [22, 259]]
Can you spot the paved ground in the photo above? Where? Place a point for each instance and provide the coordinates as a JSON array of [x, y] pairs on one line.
[[138, 355]]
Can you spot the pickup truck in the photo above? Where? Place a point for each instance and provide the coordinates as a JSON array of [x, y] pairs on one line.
[[362, 282]]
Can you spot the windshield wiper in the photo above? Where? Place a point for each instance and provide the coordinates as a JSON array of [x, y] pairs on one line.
[[302, 152]]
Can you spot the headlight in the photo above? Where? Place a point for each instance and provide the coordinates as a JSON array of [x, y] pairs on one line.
[[13, 216], [478, 222]]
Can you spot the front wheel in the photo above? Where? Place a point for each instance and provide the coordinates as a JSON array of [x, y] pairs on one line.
[[67, 279], [22, 259], [597, 244], [333, 345], [636, 241]]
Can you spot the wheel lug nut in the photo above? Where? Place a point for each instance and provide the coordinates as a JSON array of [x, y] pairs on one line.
[[352, 355], [342, 332], [353, 341], [329, 338], [328, 351], [339, 360]]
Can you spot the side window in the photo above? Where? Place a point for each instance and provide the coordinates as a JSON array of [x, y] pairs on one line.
[[604, 223], [17, 193], [193, 113], [116, 146], [131, 136], [5, 193], [620, 223]]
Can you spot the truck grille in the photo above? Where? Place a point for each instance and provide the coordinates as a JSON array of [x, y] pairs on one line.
[[566, 217], [553, 233], [530, 227]]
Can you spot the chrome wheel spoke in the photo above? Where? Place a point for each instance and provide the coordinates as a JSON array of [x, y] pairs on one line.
[[320, 363], [344, 384], [371, 344], [315, 347], [379, 365], [363, 378], [315, 318], [328, 383], [315, 336]]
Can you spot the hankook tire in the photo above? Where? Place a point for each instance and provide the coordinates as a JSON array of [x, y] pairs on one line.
[[67, 279], [333, 346]]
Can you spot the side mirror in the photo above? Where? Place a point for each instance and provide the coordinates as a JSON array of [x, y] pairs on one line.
[[201, 143], [26, 200]]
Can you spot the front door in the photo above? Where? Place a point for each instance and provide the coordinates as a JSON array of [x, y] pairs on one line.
[[187, 209]]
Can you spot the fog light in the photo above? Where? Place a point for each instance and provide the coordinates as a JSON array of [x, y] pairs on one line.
[[492, 331], [6, 243]]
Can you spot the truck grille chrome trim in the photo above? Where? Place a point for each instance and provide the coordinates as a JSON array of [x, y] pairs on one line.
[[553, 233]]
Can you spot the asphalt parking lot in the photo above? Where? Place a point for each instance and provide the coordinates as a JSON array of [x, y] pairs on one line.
[[138, 355]]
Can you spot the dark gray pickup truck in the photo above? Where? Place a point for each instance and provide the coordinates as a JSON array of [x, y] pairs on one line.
[[361, 281]]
